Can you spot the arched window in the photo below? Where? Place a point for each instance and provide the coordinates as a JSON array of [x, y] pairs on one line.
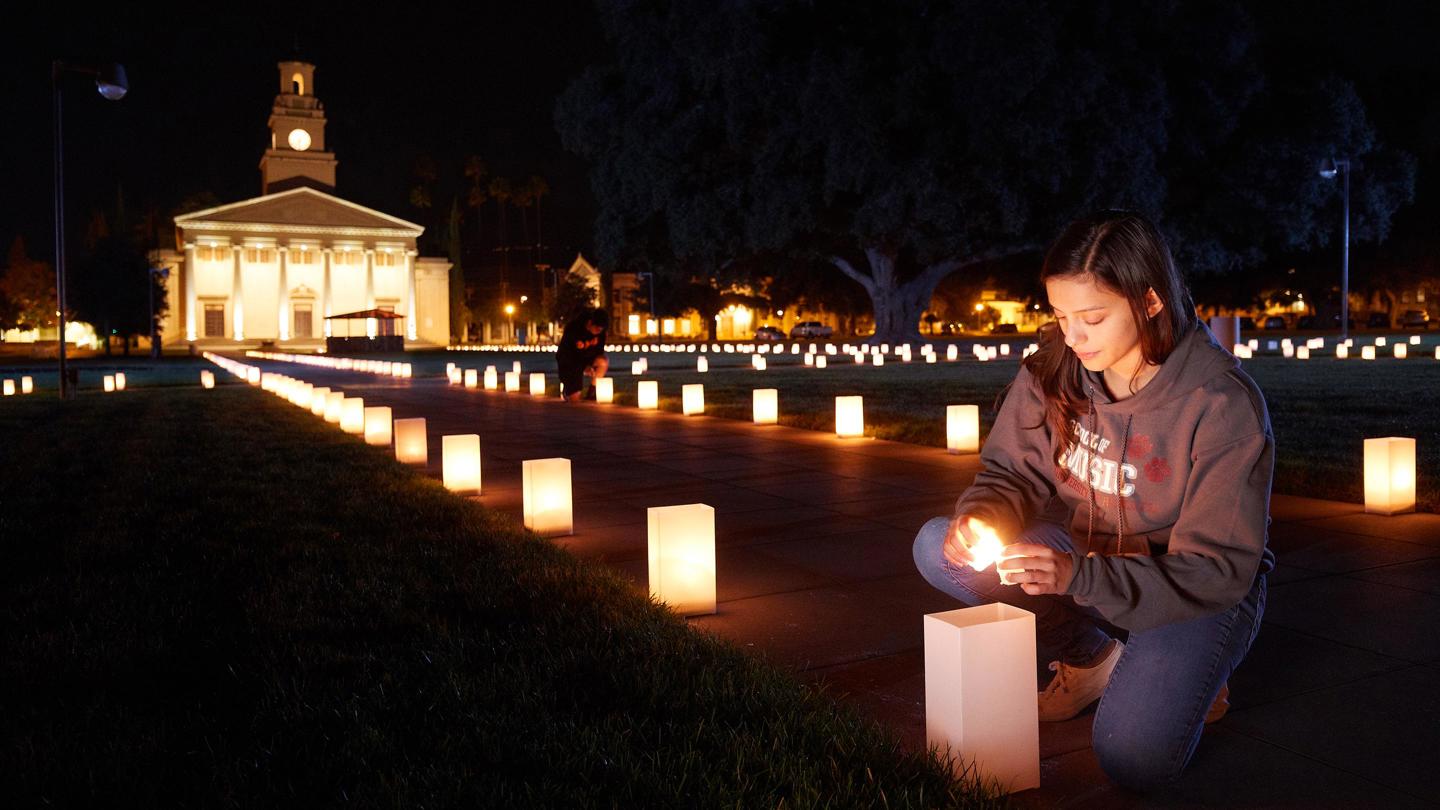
[[297, 84]]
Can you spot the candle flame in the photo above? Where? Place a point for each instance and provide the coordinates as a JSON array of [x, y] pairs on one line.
[[987, 547]]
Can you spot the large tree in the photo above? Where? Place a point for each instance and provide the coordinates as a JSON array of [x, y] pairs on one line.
[[111, 286], [27, 291], [902, 142]]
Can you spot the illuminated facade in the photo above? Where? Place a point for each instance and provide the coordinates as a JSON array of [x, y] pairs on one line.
[[270, 269]]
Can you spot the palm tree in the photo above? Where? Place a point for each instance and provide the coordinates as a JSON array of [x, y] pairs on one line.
[[502, 192], [523, 200], [476, 171], [536, 189]]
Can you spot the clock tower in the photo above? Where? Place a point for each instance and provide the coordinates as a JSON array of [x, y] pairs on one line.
[[297, 155]]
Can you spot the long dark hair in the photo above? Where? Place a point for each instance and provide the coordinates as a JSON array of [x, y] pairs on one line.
[[1125, 254]]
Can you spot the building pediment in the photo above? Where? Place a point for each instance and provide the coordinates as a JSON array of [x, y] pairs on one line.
[[304, 210]]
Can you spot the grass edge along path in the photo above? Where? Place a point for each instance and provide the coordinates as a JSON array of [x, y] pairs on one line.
[[212, 599]]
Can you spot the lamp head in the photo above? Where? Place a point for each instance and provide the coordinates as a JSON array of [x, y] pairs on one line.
[[111, 81], [1329, 167]]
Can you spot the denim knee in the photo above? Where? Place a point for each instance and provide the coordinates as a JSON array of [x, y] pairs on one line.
[[929, 548], [1135, 761], [929, 553]]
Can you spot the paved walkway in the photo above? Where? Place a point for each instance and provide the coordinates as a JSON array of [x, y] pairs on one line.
[[1338, 704]]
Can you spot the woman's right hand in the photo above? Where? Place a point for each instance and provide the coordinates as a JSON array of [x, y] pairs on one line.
[[958, 539]]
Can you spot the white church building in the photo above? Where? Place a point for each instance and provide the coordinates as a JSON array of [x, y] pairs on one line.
[[274, 269]]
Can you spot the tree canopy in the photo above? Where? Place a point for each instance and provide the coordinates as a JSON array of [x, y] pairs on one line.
[[27, 291], [110, 284], [901, 142]]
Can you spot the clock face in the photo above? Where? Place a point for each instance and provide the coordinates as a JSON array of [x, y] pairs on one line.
[[299, 140]]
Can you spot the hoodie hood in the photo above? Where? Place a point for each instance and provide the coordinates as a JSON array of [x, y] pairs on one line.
[[1197, 359]]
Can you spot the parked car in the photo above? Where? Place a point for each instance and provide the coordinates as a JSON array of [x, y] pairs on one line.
[[769, 333], [1247, 324], [1310, 322], [1378, 320], [1415, 319], [1274, 322], [1004, 329], [810, 329]]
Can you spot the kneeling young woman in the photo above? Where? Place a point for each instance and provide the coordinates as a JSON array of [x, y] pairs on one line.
[[1129, 470]]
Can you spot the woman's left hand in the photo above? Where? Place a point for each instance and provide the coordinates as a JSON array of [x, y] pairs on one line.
[[1035, 568]]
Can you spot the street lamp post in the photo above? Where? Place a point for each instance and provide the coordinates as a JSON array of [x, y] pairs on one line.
[[510, 320], [1328, 170], [651, 278], [161, 273], [111, 83], [549, 306]]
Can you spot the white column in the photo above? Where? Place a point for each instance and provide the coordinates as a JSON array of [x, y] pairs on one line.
[[369, 279], [370, 325], [282, 304], [412, 329], [325, 294], [237, 295], [191, 300]]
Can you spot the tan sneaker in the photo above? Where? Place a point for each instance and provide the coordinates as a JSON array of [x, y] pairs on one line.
[[1220, 706], [1073, 688]]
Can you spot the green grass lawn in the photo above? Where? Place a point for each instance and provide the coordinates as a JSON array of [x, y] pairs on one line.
[[212, 599], [1322, 410], [140, 371]]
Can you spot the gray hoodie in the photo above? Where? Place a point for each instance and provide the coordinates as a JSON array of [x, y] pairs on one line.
[[1168, 496]]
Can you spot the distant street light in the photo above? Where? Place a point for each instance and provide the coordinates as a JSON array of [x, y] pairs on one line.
[[510, 319], [110, 81], [1328, 168]]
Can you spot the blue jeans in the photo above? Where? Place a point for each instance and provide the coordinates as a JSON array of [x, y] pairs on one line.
[[1153, 710]]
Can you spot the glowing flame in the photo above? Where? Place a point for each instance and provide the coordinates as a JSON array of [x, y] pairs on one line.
[[987, 547]]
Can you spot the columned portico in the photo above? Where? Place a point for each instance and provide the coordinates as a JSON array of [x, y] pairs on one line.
[[245, 262]]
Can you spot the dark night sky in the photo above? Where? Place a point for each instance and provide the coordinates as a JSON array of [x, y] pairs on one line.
[[394, 83], [482, 80]]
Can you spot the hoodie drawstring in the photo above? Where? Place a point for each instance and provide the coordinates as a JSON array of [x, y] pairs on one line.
[[1119, 481], [1090, 479], [1120, 490]]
